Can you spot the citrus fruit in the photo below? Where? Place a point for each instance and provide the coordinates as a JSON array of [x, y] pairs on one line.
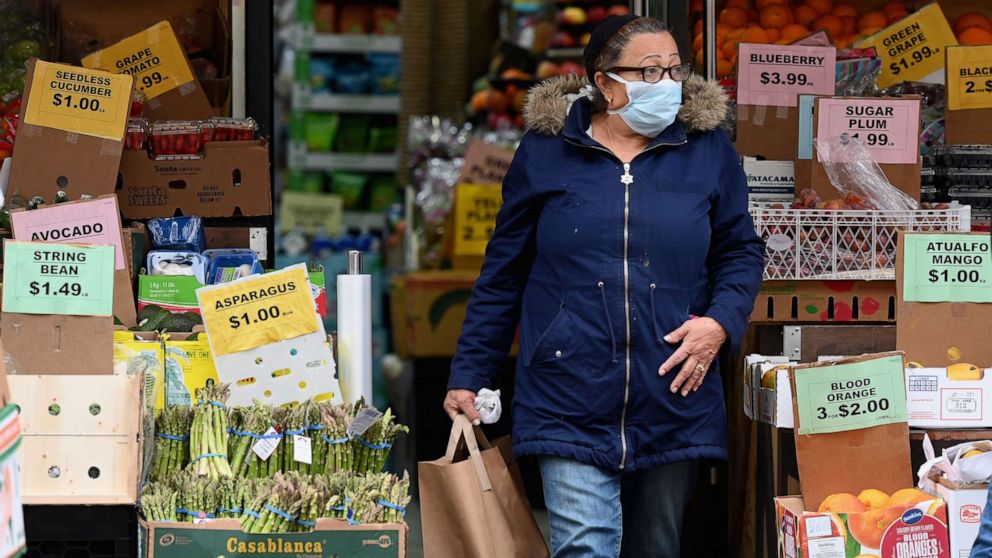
[[755, 34], [872, 20], [822, 7], [975, 36], [794, 32], [733, 16], [831, 24], [805, 15], [775, 16], [972, 19]]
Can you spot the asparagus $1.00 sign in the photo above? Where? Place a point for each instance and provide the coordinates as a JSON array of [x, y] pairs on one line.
[[267, 339]]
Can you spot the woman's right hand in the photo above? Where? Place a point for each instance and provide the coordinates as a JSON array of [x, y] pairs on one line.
[[461, 401]]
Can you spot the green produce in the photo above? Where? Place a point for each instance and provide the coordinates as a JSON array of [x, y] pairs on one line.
[[209, 434], [172, 428], [174, 323]]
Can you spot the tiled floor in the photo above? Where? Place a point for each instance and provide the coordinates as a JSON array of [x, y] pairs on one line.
[[415, 548]]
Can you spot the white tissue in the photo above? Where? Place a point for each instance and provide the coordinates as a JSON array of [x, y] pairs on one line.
[[488, 404]]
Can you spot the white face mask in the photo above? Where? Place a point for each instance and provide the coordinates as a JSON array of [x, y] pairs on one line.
[[651, 107]]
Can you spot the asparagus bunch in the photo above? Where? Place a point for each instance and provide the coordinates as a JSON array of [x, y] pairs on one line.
[[172, 429], [372, 448], [339, 452], [255, 421], [279, 513], [159, 502], [199, 496], [208, 435]]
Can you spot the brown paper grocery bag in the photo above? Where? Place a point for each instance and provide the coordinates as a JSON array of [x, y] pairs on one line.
[[471, 506]]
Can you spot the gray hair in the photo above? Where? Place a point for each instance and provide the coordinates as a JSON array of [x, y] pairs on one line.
[[610, 54]]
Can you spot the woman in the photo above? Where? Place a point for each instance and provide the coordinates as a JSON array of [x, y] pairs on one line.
[[625, 252]]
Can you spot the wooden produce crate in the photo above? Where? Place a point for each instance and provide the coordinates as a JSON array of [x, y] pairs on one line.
[[81, 437]]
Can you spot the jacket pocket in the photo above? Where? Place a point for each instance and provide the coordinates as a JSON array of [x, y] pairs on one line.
[[557, 341]]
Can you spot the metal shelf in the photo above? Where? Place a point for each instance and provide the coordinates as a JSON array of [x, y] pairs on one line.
[[378, 104], [361, 162], [306, 39]]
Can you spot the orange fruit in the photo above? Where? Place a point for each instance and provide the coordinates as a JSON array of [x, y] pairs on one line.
[[783, 42], [730, 48], [872, 20], [773, 34], [831, 23], [738, 4], [775, 16], [752, 16], [870, 31], [868, 528], [697, 28], [480, 100], [843, 42], [972, 19], [841, 503], [907, 497], [794, 32], [699, 57], [822, 7], [765, 3], [805, 15], [895, 15], [723, 68], [755, 34], [850, 24], [735, 33], [975, 36], [697, 42], [733, 16], [894, 5], [841, 10], [873, 499]]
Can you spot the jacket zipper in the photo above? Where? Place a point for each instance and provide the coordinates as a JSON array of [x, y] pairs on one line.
[[626, 179]]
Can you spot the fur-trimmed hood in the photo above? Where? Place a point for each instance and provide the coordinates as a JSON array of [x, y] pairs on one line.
[[704, 104]]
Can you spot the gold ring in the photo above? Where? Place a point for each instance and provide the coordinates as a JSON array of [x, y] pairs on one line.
[[700, 368]]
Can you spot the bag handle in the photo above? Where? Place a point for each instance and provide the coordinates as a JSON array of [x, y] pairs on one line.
[[462, 428]]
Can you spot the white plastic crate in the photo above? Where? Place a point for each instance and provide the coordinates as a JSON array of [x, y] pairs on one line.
[[823, 244]]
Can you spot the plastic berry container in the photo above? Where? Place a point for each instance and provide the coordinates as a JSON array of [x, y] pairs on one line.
[[137, 134], [233, 129], [171, 138], [208, 128]]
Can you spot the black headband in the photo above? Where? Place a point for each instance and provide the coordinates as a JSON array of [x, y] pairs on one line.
[[600, 36]]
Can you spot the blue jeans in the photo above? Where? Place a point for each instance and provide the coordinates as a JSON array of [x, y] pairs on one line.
[[596, 513]]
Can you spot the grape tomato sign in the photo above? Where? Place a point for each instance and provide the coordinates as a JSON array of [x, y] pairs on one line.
[[912, 48], [947, 268], [889, 128], [258, 310], [851, 395], [969, 77], [66, 279], [79, 100], [152, 56], [775, 75]]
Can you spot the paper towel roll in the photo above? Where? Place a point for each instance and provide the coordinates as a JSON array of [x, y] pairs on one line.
[[355, 337]]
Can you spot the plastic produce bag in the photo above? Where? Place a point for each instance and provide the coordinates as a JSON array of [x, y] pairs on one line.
[[853, 172], [178, 233]]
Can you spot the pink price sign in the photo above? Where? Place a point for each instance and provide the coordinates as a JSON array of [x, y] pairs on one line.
[[775, 75], [84, 222], [888, 127]]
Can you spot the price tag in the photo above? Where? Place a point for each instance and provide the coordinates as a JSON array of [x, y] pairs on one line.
[[947, 268], [311, 212], [152, 56], [365, 419], [302, 450], [67, 279], [774, 75], [851, 396], [265, 447], [258, 310], [476, 206], [89, 102], [969, 77], [889, 128], [88, 222], [912, 48]]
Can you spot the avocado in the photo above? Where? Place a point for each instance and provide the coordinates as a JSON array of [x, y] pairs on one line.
[[176, 324], [148, 311], [154, 322], [193, 317]]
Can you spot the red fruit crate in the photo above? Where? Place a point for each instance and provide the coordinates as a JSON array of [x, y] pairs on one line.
[[820, 244]]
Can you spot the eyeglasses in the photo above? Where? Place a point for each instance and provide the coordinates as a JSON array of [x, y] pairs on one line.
[[654, 74]]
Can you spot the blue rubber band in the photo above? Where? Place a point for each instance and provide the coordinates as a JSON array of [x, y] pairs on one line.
[[279, 512], [384, 445], [254, 514], [337, 441], [206, 515], [172, 437], [299, 432], [253, 435], [316, 427], [206, 455], [181, 511], [306, 523], [214, 403], [339, 508], [231, 510], [390, 505], [351, 514]]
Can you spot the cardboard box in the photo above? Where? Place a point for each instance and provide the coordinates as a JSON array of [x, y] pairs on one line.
[[942, 334], [965, 504], [770, 182], [231, 179], [65, 345], [771, 391], [936, 401], [332, 538], [177, 293], [82, 437], [12, 535], [825, 301], [46, 160], [768, 132], [428, 309]]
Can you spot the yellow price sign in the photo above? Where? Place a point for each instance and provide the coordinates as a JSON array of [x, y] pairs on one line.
[[913, 47], [969, 77], [258, 310], [79, 100], [152, 56], [476, 206]]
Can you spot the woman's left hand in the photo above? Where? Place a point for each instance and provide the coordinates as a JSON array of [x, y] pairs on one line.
[[701, 340]]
